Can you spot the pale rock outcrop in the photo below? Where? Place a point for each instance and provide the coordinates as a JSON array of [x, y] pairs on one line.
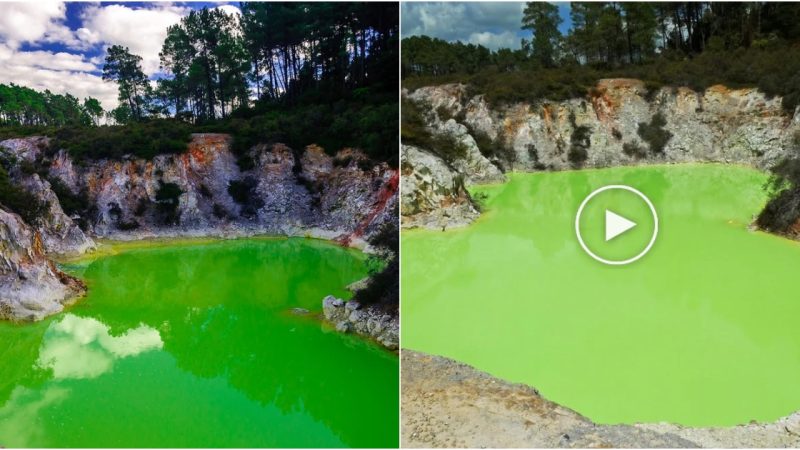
[[370, 321], [279, 194], [718, 125], [309, 197], [60, 234], [741, 126], [449, 404], [31, 287], [476, 168], [26, 149], [432, 194]]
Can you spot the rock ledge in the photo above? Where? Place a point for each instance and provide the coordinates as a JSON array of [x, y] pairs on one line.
[[367, 321]]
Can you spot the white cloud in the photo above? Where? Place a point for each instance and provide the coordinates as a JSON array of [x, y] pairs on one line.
[[61, 73], [492, 24], [229, 9], [494, 41], [78, 347], [22, 22], [143, 30], [140, 28]]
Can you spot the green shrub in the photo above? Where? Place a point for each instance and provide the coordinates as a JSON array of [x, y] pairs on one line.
[[443, 113], [204, 191], [141, 207], [219, 211], [140, 139], [634, 150], [72, 204], [20, 201], [243, 192], [413, 128], [479, 200], [383, 286], [774, 69], [494, 149], [127, 226], [782, 211], [167, 201], [654, 133], [579, 143], [342, 161]]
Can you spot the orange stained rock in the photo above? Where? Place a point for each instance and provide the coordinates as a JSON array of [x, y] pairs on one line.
[[388, 190]]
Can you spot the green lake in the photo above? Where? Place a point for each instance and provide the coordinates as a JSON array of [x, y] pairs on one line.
[[196, 345], [702, 330]]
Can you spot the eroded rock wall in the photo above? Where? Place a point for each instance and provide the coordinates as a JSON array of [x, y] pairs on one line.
[[368, 321], [318, 195], [433, 194], [31, 287], [718, 125], [201, 192]]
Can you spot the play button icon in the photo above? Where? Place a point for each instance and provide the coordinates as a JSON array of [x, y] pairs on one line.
[[616, 224]]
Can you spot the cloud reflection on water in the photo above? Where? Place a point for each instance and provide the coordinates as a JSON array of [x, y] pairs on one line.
[[78, 347]]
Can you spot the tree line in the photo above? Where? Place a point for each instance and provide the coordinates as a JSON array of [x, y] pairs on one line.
[[613, 34], [218, 63], [694, 44], [23, 106]]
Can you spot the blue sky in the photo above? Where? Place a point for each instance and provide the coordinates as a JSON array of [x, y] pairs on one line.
[[60, 46], [492, 24]]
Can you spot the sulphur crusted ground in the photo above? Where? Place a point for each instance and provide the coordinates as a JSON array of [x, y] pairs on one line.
[[449, 404]]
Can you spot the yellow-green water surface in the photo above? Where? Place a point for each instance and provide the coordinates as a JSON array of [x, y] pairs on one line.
[[196, 345], [703, 330]]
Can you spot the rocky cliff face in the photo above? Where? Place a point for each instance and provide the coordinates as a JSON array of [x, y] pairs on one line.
[[434, 195], [369, 321], [31, 285], [60, 235], [201, 192], [286, 194], [606, 129]]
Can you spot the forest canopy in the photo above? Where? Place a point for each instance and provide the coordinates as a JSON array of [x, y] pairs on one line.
[[300, 73], [694, 44]]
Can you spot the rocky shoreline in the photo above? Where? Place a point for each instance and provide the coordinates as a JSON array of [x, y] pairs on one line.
[[369, 321], [619, 122], [449, 404], [202, 192]]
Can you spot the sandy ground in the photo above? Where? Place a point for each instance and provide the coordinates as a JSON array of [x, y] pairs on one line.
[[449, 404]]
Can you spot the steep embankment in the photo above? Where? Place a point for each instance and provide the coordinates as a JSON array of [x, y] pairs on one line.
[[31, 285], [449, 404], [619, 122], [201, 192]]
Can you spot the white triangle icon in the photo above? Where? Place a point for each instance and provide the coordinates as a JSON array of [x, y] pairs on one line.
[[616, 225]]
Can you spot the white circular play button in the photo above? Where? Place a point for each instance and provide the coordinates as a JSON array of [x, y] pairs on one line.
[[616, 224]]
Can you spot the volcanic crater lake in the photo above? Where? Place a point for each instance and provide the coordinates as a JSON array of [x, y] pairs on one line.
[[702, 331], [197, 345]]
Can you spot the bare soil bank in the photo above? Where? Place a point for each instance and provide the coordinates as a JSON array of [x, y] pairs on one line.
[[448, 404]]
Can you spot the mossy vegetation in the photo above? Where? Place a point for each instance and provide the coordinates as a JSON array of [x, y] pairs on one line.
[[654, 133], [167, 201], [243, 192], [20, 201], [383, 286], [75, 205], [580, 142], [737, 45], [782, 212], [414, 131]]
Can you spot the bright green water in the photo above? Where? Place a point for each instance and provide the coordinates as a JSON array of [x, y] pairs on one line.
[[194, 345], [703, 330]]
